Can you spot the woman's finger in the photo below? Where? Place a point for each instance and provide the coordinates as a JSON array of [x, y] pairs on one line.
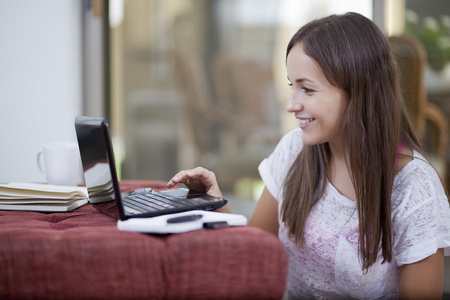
[[185, 175], [199, 179]]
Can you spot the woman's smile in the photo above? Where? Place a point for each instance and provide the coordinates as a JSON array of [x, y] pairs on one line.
[[305, 122]]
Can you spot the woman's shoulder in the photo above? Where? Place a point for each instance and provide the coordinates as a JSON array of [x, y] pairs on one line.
[[273, 169], [290, 144], [293, 136], [417, 169], [416, 184], [420, 212]]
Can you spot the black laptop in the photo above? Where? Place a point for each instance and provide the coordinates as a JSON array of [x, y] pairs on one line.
[[100, 176]]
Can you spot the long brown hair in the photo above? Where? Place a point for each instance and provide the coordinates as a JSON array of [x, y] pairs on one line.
[[354, 56]]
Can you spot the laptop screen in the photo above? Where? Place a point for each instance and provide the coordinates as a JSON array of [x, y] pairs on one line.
[[95, 158]]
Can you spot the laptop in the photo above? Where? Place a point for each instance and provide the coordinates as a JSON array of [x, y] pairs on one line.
[[102, 184]]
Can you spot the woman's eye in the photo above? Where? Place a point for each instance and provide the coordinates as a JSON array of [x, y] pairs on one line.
[[308, 91]]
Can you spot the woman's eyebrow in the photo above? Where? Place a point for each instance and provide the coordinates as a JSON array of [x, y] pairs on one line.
[[300, 80]]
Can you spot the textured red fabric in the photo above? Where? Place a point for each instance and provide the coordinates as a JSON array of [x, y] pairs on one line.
[[229, 263], [82, 255]]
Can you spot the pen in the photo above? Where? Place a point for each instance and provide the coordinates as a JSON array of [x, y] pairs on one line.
[[215, 225], [183, 219]]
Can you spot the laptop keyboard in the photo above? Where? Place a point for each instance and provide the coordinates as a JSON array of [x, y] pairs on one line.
[[156, 201]]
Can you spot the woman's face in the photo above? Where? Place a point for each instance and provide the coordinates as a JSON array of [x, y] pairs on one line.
[[317, 104]]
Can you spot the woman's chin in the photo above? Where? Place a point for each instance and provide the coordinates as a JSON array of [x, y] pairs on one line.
[[309, 142]]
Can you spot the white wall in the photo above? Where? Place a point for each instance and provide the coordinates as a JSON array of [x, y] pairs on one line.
[[40, 80]]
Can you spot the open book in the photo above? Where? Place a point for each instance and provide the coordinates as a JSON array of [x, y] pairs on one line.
[[41, 197]]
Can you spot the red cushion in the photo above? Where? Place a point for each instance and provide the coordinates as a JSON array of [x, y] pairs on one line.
[[82, 255], [230, 263]]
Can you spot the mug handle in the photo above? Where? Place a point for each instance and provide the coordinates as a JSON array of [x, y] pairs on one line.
[[38, 160]]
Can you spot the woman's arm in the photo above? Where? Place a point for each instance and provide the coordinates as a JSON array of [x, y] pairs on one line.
[[202, 180], [423, 279], [265, 215]]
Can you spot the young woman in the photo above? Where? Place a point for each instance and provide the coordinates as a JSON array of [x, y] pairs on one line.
[[361, 212]]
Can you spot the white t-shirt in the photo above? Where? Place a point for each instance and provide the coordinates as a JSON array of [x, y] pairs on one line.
[[327, 265]]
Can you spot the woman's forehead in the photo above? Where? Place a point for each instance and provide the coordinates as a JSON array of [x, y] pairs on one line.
[[300, 66]]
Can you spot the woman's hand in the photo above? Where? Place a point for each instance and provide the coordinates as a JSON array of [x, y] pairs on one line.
[[198, 179]]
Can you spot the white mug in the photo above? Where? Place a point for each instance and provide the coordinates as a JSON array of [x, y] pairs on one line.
[[62, 163]]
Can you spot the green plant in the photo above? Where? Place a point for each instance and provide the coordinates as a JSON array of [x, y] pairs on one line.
[[434, 35]]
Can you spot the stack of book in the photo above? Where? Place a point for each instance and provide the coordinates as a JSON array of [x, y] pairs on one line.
[[41, 197]]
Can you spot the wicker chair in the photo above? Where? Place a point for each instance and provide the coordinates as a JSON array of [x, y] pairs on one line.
[[429, 121]]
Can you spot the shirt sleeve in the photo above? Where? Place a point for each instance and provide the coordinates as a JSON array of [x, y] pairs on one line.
[[273, 169], [421, 215]]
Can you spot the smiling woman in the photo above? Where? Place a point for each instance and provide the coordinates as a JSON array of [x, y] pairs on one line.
[[351, 158], [350, 194], [316, 103]]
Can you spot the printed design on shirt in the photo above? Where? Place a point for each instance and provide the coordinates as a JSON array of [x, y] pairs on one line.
[[379, 280]]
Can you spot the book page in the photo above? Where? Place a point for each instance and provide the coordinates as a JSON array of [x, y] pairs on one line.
[[18, 190]]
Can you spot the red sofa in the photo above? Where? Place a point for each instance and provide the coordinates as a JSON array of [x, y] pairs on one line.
[[82, 255]]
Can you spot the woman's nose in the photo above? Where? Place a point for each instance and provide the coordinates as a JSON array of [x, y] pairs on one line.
[[294, 104]]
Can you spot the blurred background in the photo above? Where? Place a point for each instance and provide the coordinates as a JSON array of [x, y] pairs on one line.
[[203, 82], [189, 82]]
